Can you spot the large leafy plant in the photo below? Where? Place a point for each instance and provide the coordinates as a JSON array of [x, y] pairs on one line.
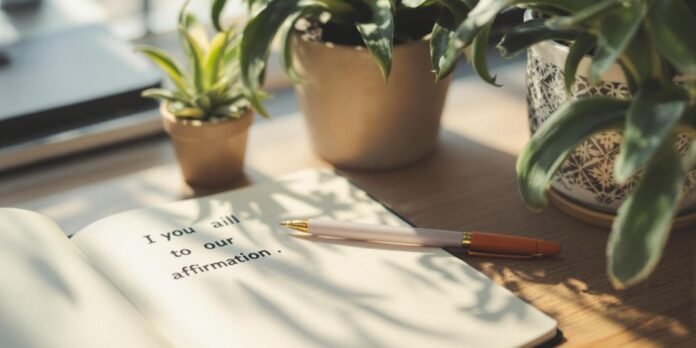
[[653, 42], [209, 87], [375, 24]]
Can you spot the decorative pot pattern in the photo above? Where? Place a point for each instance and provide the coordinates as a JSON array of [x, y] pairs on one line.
[[586, 176]]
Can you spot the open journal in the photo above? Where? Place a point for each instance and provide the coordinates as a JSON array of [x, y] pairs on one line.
[[220, 272]]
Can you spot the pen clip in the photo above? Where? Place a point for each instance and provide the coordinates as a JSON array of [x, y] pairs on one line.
[[505, 256]]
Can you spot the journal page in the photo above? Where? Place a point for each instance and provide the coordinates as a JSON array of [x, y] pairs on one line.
[[220, 272], [50, 296]]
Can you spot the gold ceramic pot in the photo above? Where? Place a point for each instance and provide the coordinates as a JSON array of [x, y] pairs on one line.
[[355, 119], [210, 154]]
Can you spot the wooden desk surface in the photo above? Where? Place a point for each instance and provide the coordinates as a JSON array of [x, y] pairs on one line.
[[467, 183]]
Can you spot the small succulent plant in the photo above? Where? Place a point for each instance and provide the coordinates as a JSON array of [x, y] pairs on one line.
[[209, 88]]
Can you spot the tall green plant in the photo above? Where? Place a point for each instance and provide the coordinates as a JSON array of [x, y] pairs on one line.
[[209, 85], [376, 24], [653, 42]]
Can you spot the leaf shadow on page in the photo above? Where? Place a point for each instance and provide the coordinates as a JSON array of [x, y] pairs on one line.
[[273, 203], [326, 204], [354, 305], [305, 279], [35, 255], [28, 260], [414, 278]]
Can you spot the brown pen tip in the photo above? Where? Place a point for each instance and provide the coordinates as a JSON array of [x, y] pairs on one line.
[[548, 248]]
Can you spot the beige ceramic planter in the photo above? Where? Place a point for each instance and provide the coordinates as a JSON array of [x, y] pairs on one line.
[[210, 154], [356, 120]]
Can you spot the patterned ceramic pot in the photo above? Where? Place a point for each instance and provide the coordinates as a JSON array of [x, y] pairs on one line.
[[584, 185]]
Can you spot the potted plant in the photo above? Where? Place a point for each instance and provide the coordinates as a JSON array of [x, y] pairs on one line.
[[206, 113], [363, 70], [603, 74]]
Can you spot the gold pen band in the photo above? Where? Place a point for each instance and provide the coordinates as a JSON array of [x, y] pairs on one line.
[[466, 240]]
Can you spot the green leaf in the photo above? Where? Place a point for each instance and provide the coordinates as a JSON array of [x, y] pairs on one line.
[[160, 94], [689, 158], [412, 3], [653, 114], [459, 9], [168, 65], [196, 58], [614, 32], [203, 102], [480, 16], [199, 33], [286, 60], [443, 59], [215, 57], [570, 6], [556, 138], [478, 55], [229, 101], [524, 35], [255, 47], [216, 10], [671, 25], [286, 37], [184, 16], [344, 11], [486, 11], [580, 47], [231, 56], [469, 3], [590, 13], [378, 34], [643, 223], [189, 112], [229, 110], [640, 61], [689, 119], [195, 28]]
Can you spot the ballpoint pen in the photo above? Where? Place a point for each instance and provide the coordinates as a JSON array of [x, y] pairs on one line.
[[475, 243]]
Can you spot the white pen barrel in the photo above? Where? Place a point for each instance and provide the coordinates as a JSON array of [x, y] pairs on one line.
[[382, 233]]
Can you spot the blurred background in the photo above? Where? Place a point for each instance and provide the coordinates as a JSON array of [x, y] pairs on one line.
[[128, 19], [70, 80]]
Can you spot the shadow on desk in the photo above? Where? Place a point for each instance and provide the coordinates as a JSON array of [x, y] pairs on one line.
[[464, 185]]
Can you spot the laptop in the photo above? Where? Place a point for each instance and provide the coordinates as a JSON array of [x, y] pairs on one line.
[[69, 91]]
